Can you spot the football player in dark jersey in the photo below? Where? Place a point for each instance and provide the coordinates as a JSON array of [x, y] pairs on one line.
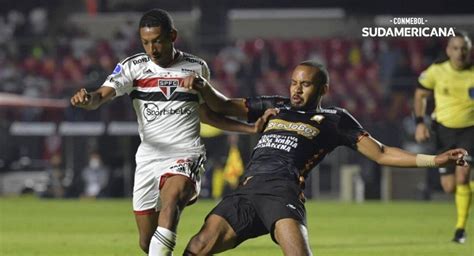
[[297, 137]]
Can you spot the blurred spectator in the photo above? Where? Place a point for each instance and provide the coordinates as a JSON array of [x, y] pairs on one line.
[[95, 176], [388, 59], [401, 88], [38, 20], [56, 66], [59, 178]]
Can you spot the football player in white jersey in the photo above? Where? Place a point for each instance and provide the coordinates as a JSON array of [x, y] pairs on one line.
[[169, 159]]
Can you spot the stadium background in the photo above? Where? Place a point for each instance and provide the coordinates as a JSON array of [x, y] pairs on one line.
[[49, 49]]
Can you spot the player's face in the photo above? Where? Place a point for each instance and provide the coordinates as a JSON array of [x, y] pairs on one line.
[[303, 88], [459, 51], [158, 46]]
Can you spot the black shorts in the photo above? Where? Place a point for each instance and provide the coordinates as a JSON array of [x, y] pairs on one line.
[[450, 138], [253, 209]]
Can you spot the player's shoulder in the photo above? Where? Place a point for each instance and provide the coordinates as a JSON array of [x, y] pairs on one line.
[[437, 66], [343, 114], [135, 59], [192, 59], [334, 111]]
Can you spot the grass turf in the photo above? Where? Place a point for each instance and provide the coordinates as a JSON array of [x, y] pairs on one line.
[[30, 226]]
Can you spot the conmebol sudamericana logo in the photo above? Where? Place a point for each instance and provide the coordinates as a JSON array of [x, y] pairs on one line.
[[407, 27]]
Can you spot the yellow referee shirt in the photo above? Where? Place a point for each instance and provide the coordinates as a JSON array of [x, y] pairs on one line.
[[453, 93]]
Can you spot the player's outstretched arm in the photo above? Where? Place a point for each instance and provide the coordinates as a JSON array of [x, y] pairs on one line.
[[214, 99], [222, 122], [392, 156], [92, 100]]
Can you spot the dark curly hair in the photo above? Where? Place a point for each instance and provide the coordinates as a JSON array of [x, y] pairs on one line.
[[157, 18]]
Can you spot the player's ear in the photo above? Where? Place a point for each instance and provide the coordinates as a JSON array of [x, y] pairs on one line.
[[174, 35], [448, 48]]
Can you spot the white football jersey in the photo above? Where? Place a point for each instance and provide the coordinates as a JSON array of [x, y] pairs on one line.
[[167, 115]]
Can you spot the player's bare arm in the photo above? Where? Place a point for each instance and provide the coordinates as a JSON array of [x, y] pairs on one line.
[[422, 132], [92, 100], [222, 122], [215, 100], [392, 156]]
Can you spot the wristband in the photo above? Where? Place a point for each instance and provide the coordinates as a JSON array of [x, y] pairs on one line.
[[419, 120], [425, 160]]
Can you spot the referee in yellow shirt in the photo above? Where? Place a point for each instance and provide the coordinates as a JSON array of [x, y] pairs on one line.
[[452, 84]]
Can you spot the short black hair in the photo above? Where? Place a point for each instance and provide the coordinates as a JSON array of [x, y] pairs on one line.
[[462, 34], [323, 74], [157, 18]]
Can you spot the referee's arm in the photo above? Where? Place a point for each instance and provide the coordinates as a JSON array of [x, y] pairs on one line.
[[421, 96]]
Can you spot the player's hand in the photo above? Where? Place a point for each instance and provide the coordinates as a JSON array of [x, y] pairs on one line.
[[262, 121], [195, 81], [422, 133], [81, 99], [452, 157]]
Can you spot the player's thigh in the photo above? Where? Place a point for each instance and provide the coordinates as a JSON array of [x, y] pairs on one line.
[[237, 219], [292, 236], [462, 174], [464, 139], [145, 187], [180, 179], [177, 189], [215, 236], [448, 182]]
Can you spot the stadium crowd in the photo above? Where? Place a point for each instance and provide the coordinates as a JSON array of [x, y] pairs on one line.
[[371, 78]]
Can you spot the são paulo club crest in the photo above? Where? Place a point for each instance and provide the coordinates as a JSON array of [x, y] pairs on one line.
[[168, 86]]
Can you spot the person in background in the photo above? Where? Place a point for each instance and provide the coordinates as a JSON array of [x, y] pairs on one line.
[[95, 176], [451, 81]]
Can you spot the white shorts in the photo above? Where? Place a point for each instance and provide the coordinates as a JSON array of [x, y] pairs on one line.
[[150, 177]]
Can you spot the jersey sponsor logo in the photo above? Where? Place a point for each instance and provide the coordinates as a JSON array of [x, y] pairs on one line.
[[151, 111], [329, 111], [188, 70], [188, 167], [277, 141], [117, 69], [317, 118], [141, 60], [147, 71], [192, 60], [114, 81], [303, 129], [168, 86]]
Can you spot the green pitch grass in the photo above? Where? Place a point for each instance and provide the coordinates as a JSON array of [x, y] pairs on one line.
[[30, 226]]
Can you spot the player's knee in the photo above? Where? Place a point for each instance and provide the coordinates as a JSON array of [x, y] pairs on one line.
[[462, 179], [449, 188], [170, 211], [177, 196], [198, 245], [448, 183]]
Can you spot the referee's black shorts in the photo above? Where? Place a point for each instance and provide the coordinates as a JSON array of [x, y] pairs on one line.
[[450, 138], [254, 208]]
